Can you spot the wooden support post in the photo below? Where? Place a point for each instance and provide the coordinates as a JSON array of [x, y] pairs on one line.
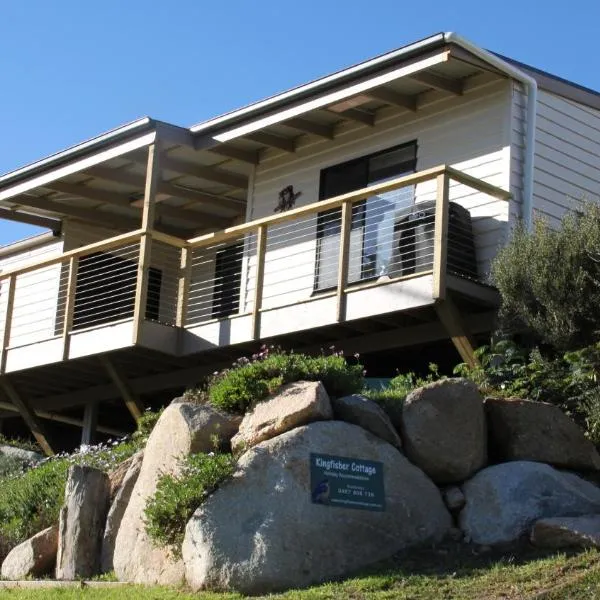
[[69, 305], [58, 418], [28, 415], [440, 237], [453, 323], [261, 250], [148, 214], [131, 399], [183, 291], [343, 261], [10, 302], [90, 424]]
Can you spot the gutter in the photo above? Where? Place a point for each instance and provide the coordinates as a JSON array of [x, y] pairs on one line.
[[28, 243], [532, 88], [94, 143]]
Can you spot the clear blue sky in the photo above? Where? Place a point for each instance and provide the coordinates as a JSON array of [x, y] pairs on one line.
[[71, 69]]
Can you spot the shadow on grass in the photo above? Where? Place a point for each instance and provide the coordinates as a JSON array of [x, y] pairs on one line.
[[454, 559]]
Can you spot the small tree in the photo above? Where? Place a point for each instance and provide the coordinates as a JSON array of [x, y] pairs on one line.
[[549, 280]]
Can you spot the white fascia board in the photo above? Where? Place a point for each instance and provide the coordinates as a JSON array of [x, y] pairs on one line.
[[332, 98], [80, 165], [140, 123], [421, 45]]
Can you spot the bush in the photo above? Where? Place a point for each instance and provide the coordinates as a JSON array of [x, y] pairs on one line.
[[550, 280], [568, 380], [11, 466], [178, 496], [249, 381], [392, 398], [30, 501]]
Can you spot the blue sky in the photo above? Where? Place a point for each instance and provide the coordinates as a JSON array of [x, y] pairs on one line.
[[73, 69]]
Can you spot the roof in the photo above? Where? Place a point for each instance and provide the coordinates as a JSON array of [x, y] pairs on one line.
[[207, 166]]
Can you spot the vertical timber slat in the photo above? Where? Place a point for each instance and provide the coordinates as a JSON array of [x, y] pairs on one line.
[[29, 416], [10, 302], [343, 262], [69, 305], [148, 213], [261, 249], [183, 291], [90, 424], [440, 237]]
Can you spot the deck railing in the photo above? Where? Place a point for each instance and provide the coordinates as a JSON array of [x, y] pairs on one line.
[[328, 247]]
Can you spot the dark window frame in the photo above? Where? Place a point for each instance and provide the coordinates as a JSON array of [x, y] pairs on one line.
[[358, 219]]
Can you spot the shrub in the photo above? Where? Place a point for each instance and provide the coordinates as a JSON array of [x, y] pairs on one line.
[[568, 380], [20, 443], [249, 381], [11, 466], [178, 496], [392, 398], [30, 501], [550, 280], [146, 424]]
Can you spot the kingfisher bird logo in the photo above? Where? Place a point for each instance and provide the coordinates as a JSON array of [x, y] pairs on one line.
[[320, 494]]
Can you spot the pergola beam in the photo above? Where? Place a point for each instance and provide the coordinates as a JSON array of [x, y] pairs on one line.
[[29, 219], [118, 222], [29, 416], [306, 126], [273, 141], [184, 167], [166, 188], [163, 210], [393, 98], [453, 86], [354, 114], [246, 156]]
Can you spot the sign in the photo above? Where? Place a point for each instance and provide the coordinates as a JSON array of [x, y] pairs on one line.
[[346, 482]]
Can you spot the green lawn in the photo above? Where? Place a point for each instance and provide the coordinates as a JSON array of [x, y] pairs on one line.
[[448, 573]]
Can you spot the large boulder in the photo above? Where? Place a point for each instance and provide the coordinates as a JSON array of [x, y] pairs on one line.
[[34, 557], [444, 430], [117, 510], [526, 430], [503, 501], [294, 405], [117, 475], [562, 532], [183, 428], [81, 523], [365, 413], [269, 528]]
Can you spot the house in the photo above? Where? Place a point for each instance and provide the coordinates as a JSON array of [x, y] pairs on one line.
[[360, 210]]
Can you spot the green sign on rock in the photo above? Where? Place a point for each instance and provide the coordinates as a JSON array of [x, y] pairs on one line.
[[346, 482]]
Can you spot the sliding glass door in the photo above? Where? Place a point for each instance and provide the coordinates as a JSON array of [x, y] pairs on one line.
[[373, 220]]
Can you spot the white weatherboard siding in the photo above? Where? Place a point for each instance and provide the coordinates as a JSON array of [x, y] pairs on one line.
[[567, 157], [471, 133], [36, 294]]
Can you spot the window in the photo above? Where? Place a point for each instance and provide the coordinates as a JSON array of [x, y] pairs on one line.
[[106, 290], [372, 233]]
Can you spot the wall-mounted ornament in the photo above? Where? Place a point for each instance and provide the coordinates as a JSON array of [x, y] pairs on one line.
[[287, 199]]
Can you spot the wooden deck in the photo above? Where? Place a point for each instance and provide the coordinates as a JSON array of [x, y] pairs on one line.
[[153, 327]]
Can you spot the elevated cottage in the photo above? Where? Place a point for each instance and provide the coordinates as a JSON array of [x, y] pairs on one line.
[[361, 210]]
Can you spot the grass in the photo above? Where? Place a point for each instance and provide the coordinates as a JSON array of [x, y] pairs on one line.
[[450, 572]]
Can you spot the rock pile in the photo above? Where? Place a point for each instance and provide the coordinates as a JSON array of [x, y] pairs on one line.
[[325, 486]]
